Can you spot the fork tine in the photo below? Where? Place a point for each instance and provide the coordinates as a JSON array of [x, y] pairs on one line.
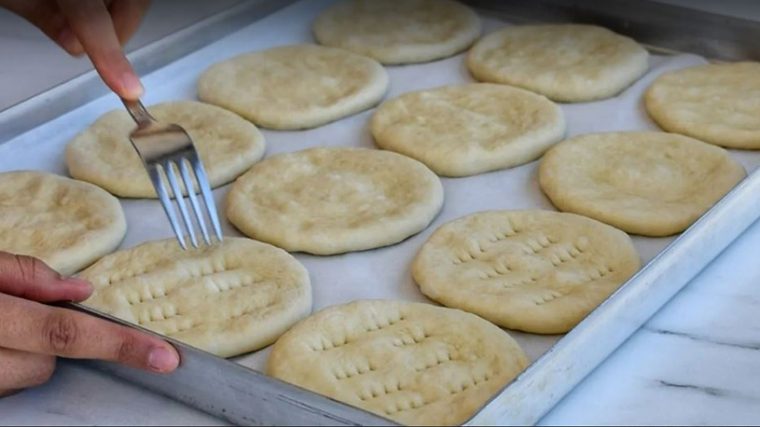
[[158, 184], [208, 197], [169, 171], [190, 187]]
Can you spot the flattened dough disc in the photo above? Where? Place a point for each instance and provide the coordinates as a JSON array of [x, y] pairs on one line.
[[535, 271], [398, 32], [102, 154], [566, 62], [333, 200], [716, 103], [295, 87], [227, 299], [647, 183], [414, 363], [67, 223], [469, 129]]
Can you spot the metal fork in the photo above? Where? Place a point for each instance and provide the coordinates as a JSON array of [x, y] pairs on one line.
[[167, 148]]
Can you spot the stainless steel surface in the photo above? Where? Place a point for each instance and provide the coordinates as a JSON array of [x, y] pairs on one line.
[[240, 395], [661, 25], [234, 392], [165, 150]]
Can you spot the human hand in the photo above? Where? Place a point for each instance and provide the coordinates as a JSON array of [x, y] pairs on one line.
[[33, 334], [97, 27]]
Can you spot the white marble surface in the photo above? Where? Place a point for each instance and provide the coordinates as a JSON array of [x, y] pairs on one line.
[[694, 363]]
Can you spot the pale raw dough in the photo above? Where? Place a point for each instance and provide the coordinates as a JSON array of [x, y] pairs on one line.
[[295, 87], [333, 200], [717, 103], [566, 62], [469, 129], [68, 224], [399, 32], [227, 144], [227, 299], [535, 271], [414, 363], [648, 183]]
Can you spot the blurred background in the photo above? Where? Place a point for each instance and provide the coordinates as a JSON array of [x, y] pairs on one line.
[[30, 63]]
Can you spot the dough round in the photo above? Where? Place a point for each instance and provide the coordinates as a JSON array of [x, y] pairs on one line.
[[68, 224], [227, 144], [295, 87], [227, 299], [647, 183], [414, 363], [399, 32], [566, 62], [332, 200], [535, 271], [717, 103], [469, 129]]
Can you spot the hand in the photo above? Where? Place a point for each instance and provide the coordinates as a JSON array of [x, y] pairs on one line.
[[96, 27], [32, 334]]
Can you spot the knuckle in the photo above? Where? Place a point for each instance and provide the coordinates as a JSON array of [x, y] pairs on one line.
[[127, 348], [60, 333], [26, 267]]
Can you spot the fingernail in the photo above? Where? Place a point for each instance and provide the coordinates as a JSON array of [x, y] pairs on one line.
[[162, 360], [133, 89]]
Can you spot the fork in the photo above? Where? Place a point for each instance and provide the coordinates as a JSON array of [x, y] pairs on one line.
[[166, 148]]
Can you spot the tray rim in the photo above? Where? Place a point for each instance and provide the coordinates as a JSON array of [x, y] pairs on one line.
[[246, 13]]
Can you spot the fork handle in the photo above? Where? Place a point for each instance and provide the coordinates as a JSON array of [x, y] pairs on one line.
[[138, 112]]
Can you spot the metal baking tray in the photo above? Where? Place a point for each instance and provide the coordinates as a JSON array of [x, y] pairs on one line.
[[231, 390]]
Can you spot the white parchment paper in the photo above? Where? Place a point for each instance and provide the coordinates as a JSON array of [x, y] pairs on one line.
[[380, 273]]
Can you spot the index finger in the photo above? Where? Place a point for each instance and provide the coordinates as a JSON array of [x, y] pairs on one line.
[[36, 328], [91, 22]]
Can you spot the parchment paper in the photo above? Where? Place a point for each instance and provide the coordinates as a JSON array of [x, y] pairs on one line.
[[380, 273]]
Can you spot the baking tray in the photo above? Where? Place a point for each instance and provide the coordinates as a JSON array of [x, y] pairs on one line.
[[33, 135]]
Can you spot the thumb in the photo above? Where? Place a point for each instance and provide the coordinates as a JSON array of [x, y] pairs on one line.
[[27, 277]]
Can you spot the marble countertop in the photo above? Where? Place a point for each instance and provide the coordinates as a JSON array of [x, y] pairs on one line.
[[695, 362]]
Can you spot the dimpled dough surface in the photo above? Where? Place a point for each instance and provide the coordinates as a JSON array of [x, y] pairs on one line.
[[414, 363], [227, 299], [567, 63], [333, 200], [535, 271], [68, 224], [469, 129], [647, 183], [227, 144], [716, 103], [295, 87], [398, 32]]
